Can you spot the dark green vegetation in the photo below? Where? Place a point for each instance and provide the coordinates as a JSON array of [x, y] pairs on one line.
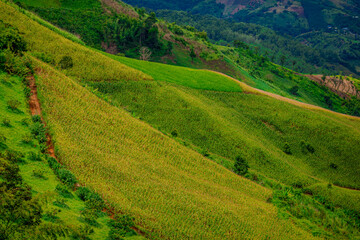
[[324, 32], [36, 202], [104, 27]]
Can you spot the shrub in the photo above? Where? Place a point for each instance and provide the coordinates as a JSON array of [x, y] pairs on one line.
[[177, 30], [27, 138], [6, 122], [66, 177], [121, 226], [83, 193], [25, 121], [306, 147], [2, 138], [53, 163], [27, 92], [39, 173], [66, 62], [287, 149], [13, 104], [294, 90], [34, 157], [39, 131], [43, 147], [174, 133], [11, 39], [241, 166], [63, 191], [36, 118], [333, 166], [93, 200]]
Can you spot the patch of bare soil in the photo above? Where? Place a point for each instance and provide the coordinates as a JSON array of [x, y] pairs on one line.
[[343, 87], [35, 109], [118, 8]]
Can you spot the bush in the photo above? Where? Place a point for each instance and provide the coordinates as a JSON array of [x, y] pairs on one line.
[[34, 157], [333, 166], [11, 39], [287, 149], [13, 104], [6, 122], [39, 173], [83, 193], [66, 177], [36, 119], [306, 147], [53, 163], [174, 133], [241, 166], [66, 62], [39, 131], [63, 191], [27, 138], [25, 121], [93, 200], [121, 227]]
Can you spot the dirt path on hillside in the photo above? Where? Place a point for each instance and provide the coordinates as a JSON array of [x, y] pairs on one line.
[[35, 109], [253, 90]]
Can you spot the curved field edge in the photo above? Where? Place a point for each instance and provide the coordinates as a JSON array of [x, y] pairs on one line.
[[189, 77], [88, 65], [150, 176]]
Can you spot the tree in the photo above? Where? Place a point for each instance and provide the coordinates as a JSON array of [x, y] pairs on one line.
[[241, 167], [145, 53], [282, 60], [192, 54], [294, 90]]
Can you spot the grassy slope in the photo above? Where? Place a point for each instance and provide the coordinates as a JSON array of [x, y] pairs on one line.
[[12, 88], [88, 65], [151, 176], [64, 119], [257, 127], [198, 79]]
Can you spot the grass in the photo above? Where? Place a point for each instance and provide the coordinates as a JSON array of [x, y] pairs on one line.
[[257, 127], [159, 182], [88, 65], [340, 197], [198, 79], [11, 87]]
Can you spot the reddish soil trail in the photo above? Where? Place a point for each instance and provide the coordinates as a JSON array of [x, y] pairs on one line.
[[35, 109], [253, 90]]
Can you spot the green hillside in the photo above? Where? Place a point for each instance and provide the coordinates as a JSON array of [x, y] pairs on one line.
[[160, 145]]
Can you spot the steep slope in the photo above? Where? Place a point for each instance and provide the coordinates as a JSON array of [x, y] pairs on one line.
[[252, 125], [161, 182], [72, 58], [150, 176]]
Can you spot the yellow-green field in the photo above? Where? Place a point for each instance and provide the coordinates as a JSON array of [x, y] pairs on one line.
[[121, 146], [172, 191], [88, 65]]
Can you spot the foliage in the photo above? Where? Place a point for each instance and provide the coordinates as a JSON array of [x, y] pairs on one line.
[[121, 227], [66, 62], [93, 67], [241, 167], [315, 214]]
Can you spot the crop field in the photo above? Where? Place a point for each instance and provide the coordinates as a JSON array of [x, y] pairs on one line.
[[162, 148], [150, 176], [52, 48], [254, 126], [198, 79]]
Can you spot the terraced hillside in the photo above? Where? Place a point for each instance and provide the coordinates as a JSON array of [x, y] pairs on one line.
[[159, 143]]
